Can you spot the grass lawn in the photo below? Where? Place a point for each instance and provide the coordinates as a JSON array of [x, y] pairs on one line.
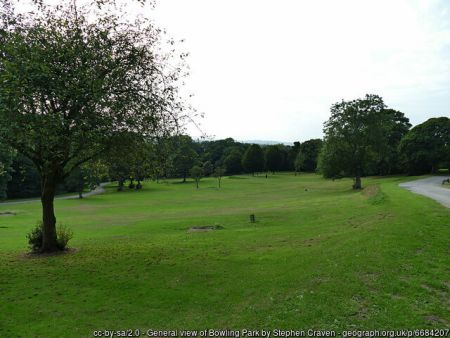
[[319, 256]]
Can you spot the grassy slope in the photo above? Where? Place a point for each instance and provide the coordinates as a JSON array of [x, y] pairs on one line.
[[323, 258]]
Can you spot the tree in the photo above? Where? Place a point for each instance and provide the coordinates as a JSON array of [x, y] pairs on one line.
[[208, 168], [77, 181], [253, 159], [299, 162], [388, 161], [25, 181], [161, 158], [90, 175], [196, 173], [233, 162], [71, 83], [309, 154], [291, 156], [6, 160], [273, 158], [355, 132], [185, 155], [427, 146], [219, 172], [95, 173]]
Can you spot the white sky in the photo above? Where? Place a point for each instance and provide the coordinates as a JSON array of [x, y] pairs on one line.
[[270, 70]]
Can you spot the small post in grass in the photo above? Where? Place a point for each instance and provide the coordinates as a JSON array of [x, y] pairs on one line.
[[252, 218]]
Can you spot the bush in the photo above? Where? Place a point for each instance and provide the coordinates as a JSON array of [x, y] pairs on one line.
[[35, 238], [63, 236]]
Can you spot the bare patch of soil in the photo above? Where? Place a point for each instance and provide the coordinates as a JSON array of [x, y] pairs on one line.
[[436, 320], [7, 213], [32, 255], [371, 191], [204, 228]]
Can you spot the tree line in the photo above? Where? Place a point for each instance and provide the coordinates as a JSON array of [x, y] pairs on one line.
[[129, 163], [362, 138]]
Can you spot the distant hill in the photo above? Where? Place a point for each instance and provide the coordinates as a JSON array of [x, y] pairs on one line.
[[265, 142]]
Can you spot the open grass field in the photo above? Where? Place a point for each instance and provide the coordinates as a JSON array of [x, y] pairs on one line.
[[319, 256]]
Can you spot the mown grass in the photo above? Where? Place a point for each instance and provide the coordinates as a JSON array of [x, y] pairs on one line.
[[319, 256]]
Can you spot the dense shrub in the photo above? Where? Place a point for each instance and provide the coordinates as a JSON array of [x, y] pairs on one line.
[[63, 236], [35, 237]]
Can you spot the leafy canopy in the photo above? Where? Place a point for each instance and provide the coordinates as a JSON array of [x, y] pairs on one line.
[[72, 82]]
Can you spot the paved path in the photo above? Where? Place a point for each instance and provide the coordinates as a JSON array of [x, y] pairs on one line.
[[99, 190], [430, 187]]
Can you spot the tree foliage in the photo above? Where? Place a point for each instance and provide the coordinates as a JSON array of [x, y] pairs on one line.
[[308, 155], [73, 82], [233, 162], [427, 147], [196, 173], [388, 160], [25, 180], [355, 132], [219, 172], [6, 161], [253, 159], [274, 158], [185, 156]]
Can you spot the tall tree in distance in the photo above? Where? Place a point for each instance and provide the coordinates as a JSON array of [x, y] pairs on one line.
[[219, 172], [309, 151], [355, 132], [299, 162], [253, 159], [196, 173], [185, 157], [72, 82], [233, 162], [273, 158]]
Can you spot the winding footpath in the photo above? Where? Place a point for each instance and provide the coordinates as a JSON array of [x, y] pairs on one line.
[[98, 190], [430, 187]]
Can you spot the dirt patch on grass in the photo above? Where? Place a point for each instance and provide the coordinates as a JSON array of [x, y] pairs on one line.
[[35, 255], [436, 320], [371, 191], [204, 228], [8, 213], [361, 308], [374, 194], [313, 241]]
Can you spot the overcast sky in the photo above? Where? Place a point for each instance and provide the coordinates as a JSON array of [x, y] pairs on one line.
[[271, 70]]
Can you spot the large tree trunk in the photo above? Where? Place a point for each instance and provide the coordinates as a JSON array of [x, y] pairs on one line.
[[48, 214]]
